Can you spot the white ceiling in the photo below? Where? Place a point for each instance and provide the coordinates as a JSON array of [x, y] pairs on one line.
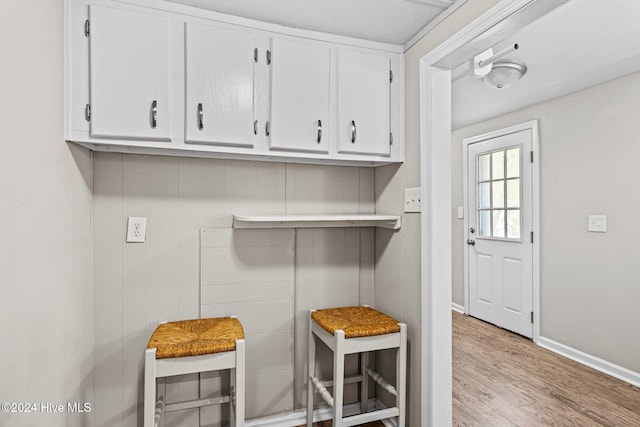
[[390, 21], [577, 45]]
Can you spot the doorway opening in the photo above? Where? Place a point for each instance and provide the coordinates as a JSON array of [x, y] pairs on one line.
[[435, 178]]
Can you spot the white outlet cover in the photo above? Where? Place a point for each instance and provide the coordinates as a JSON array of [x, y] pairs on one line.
[[136, 229], [597, 223], [412, 199]]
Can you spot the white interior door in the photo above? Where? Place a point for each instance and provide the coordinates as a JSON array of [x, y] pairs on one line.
[[499, 234]]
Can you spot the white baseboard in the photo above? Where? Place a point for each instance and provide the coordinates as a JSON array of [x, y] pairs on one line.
[[298, 418], [594, 362], [457, 307]]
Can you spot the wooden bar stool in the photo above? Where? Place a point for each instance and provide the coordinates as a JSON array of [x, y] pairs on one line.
[[190, 346], [348, 330]]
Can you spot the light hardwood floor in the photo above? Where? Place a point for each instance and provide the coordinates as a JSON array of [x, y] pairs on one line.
[[503, 379]]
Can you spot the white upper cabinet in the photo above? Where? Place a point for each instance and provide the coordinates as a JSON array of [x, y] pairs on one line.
[[130, 74], [300, 84], [159, 78], [220, 94], [363, 103]]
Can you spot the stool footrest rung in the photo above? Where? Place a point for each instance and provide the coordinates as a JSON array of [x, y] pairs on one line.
[[382, 382], [369, 417], [190, 404], [349, 380], [322, 390]]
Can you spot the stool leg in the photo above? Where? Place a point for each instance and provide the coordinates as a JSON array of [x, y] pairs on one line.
[[161, 399], [338, 378], [238, 386], [364, 385], [312, 372], [401, 374], [149, 387]]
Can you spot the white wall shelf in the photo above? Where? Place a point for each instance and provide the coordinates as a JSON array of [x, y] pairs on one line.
[[392, 222]]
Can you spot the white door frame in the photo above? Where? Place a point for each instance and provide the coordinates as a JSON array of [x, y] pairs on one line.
[[435, 221], [535, 211]]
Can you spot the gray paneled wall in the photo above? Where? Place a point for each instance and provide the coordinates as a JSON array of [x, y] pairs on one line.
[[137, 285], [251, 274]]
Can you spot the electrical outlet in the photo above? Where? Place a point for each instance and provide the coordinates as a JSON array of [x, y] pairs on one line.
[[597, 223], [136, 229], [412, 199]]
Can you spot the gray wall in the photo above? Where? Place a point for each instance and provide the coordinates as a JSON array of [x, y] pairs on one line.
[[137, 285], [398, 254], [46, 307], [589, 152]]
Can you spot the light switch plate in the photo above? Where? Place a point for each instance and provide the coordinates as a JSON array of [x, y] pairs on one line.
[[597, 223], [412, 199], [460, 212]]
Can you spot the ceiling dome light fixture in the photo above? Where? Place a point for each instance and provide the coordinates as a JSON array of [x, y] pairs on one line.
[[504, 73], [497, 73]]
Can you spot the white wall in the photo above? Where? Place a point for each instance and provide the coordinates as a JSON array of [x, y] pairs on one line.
[[137, 285], [398, 255], [588, 165], [46, 307]]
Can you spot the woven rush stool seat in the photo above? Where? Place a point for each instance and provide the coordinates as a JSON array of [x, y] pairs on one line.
[[355, 321], [190, 346], [196, 337], [363, 330]]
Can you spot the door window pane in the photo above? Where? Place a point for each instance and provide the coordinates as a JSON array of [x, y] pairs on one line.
[[498, 194], [498, 223], [484, 173], [484, 195], [513, 193], [497, 165], [513, 224], [484, 223], [513, 163]]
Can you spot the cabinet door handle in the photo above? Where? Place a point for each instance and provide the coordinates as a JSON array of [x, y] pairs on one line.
[[255, 127], [267, 129], [154, 114], [353, 132], [200, 117], [319, 131]]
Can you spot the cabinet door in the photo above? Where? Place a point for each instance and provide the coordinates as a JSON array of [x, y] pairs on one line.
[[220, 86], [300, 77], [363, 103], [129, 74]]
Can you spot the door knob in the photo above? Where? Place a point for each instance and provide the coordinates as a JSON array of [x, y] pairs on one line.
[[471, 242]]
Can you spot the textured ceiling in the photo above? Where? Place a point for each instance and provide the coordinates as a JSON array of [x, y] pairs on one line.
[[390, 21]]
